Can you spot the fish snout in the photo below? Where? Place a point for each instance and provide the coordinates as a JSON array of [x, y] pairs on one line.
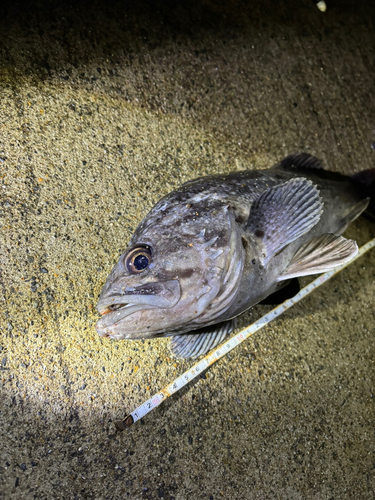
[[116, 309]]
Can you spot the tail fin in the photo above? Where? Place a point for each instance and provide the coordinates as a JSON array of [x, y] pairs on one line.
[[365, 183]]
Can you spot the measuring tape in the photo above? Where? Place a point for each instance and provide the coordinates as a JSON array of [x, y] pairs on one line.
[[220, 351]]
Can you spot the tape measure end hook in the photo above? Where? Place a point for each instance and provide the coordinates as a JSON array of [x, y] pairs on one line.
[[121, 425]]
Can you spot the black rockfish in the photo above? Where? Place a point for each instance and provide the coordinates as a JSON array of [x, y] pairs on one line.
[[223, 243]]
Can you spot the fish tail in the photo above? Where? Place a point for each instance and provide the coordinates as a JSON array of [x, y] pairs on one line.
[[365, 183]]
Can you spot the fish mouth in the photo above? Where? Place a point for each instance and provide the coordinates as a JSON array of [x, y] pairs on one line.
[[112, 317], [116, 309]]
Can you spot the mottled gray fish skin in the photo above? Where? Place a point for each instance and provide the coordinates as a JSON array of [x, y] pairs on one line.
[[220, 244]]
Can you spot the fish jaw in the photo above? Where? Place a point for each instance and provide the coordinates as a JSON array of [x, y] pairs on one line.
[[116, 309]]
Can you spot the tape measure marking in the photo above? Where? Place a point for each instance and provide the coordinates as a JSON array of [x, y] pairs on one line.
[[237, 339]]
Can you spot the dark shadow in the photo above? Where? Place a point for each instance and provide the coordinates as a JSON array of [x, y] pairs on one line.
[[59, 39]]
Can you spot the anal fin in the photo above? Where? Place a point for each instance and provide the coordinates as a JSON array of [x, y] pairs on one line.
[[320, 254], [193, 345]]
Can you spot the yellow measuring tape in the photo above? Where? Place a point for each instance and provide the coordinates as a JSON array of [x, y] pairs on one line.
[[220, 351]]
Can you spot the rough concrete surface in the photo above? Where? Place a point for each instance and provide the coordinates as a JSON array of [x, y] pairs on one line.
[[104, 108]]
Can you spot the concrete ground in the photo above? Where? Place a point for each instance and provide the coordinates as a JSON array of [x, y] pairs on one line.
[[104, 108]]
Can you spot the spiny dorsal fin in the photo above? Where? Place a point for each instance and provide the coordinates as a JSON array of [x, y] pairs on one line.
[[193, 345], [300, 160], [283, 213], [306, 164], [320, 254]]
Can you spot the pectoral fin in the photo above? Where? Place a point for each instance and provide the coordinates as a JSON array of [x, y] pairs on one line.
[[320, 254], [283, 213], [193, 345]]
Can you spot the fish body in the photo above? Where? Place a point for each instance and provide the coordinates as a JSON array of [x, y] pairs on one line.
[[220, 244]]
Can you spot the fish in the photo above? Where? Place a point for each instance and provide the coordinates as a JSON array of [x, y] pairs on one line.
[[220, 244]]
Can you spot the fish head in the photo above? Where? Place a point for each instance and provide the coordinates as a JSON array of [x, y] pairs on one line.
[[171, 277]]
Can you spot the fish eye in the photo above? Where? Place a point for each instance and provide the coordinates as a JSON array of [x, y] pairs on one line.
[[138, 259]]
